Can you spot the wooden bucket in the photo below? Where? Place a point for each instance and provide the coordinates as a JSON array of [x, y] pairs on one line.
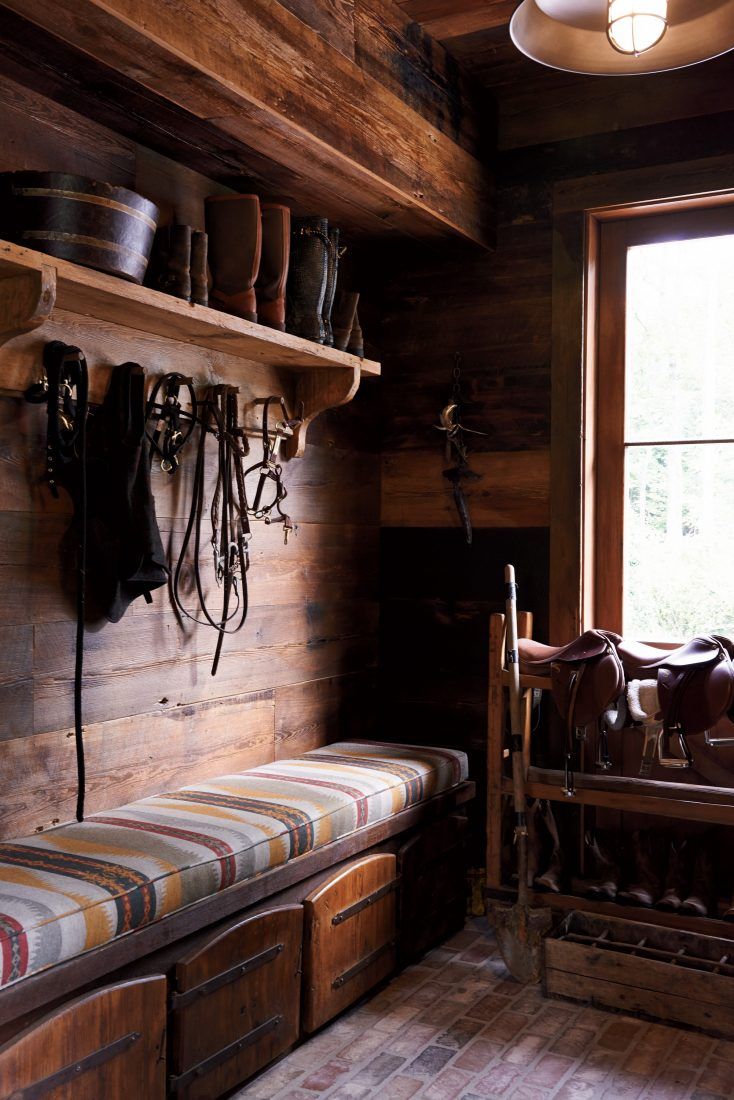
[[74, 218]]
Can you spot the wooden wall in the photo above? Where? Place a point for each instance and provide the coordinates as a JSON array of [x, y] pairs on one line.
[[495, 310], [302, 669]]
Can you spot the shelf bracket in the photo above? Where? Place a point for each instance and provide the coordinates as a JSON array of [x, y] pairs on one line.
[[321, 389], [26, 300]]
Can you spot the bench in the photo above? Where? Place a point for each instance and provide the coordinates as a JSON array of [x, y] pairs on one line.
[[145, 890]]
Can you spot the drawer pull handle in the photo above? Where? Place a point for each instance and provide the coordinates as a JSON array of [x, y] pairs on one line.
[[175, 1084], [359, 906], [180, 1000], [363, 964], [74, 1070]]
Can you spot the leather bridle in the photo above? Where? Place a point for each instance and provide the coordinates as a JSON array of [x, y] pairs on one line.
[[230, 525], [269, 470]]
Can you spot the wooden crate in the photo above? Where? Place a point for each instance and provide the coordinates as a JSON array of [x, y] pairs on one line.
[[235, 1005], [349, 941], [662, 972], [108, 1043], [433, 886]]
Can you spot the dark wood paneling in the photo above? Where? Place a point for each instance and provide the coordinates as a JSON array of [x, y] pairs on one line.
[[279, 99]]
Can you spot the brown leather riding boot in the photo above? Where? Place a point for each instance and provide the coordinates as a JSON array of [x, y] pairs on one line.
[[331, 277], [235, 241], [171, 260], [603, 878], [677, 877], [199, 269], [553, 874], [645, 879], [702, 897], [342, 317], [274, 261], [307, 278]]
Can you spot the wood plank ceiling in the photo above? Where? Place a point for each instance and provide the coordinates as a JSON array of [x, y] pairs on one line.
[[446, 19]]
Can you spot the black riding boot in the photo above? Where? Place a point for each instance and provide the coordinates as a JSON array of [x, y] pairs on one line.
[[307, 277]]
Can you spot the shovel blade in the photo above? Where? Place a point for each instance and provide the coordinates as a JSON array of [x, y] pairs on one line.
[[520, 933]]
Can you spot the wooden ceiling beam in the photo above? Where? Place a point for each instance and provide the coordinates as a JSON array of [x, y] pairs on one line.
[[447, 19], [258, 76]]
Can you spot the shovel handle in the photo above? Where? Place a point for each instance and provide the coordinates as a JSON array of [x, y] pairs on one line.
[[516, 735]]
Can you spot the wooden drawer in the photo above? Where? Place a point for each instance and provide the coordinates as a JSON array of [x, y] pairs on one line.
[[433, 886], [235, 1004], [349, 942], [616, 963], [108, 1043]]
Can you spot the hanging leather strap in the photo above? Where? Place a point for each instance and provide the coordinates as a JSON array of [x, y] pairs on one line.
[[66, 391]]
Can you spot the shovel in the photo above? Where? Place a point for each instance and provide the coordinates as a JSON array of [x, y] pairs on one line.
[[519, 929]]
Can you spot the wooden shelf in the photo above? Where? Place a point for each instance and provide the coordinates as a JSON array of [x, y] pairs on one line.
[[33, 285], [704, 926], [712, 805]]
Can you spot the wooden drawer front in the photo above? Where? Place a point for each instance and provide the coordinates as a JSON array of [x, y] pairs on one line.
[[109, 1043], [663, 972], [236, 1004], [350, 937], [433, 885]]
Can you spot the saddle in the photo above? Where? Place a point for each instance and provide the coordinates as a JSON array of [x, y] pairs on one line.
[[586, 677], [695, 687]]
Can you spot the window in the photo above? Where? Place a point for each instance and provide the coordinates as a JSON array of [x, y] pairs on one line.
[[663, 458]]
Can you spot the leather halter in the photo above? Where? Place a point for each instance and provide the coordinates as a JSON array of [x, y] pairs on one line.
[[65, 389]]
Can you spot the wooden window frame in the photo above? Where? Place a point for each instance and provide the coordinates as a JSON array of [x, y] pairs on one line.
[[581, 209], [606, 440]]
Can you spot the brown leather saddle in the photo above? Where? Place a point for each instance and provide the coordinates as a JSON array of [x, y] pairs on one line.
[[695, 688], [587, 679]]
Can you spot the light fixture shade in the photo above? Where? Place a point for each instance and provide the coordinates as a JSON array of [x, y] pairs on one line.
[[572, 35], [635, 26]]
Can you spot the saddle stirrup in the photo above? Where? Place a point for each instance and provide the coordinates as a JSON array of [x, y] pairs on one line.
[[666, 758], [718, 742]]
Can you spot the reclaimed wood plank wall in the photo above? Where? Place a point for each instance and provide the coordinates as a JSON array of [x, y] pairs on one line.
[[300, 673], [495, 310]]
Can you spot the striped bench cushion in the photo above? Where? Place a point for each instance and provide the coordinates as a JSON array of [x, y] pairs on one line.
[[79, 886]]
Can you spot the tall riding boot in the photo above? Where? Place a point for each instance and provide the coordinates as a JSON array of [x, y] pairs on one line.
[[356, 339], [273, 275], [603, 879], [677, 877], [199, 269], [702, 897], [645, 881], [342, 317], [553, 874], [307, 277], [235, 241], [331, 277], [170, 264]]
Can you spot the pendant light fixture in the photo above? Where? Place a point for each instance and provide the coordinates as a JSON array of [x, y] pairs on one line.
[[635, 26], [618, 37]]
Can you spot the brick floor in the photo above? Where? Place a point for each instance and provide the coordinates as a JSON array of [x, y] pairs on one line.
[[457, 1027]]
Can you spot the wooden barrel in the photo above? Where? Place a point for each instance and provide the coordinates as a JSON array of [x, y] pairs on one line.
[[74, 218]]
